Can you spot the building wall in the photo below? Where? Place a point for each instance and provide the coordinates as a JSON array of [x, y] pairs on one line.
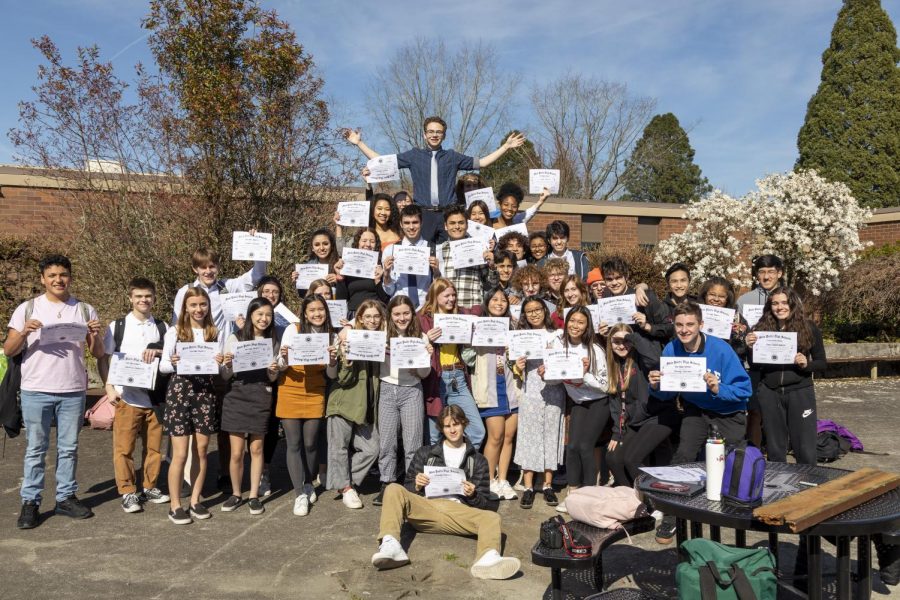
[[28, 211]]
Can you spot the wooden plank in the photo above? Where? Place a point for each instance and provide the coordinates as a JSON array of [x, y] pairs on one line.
[[809, 507]]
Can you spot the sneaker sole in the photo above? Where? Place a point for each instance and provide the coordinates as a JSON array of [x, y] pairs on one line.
[[26, 525], [229, 508], [385, 563], [200, 517], [504, 569], [258, 511], [664, 541], [162, 500], [71, 516], [180, 521], [526, 506], [133, 509]]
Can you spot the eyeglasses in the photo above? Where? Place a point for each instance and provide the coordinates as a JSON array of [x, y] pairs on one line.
[[370, 318], [534, 311]]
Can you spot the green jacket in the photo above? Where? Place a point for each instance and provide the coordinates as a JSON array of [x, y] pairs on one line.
[[354, 394]]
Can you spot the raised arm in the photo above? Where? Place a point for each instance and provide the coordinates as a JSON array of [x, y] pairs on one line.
[[513, 141], [355, 138]]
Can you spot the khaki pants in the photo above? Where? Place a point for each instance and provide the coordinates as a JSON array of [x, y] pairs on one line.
[[438, 516], [130, 423]]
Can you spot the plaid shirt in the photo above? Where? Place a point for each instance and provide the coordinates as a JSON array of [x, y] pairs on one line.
[[470, 282]]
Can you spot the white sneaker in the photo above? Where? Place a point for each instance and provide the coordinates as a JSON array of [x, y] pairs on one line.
[[506, 492], [561, 507], [390, 554], [131, 503], [657, 515], [495, 487], [494, 566], [310, 490], [351, 499], [301, 505]]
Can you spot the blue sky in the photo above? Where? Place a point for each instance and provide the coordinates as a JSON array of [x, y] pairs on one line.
[[738, 74]]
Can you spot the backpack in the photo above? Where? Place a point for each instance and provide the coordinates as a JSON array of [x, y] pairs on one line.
[[714, 571], [744, 477], [604, 507], [827, 425], [161, 383], [830, 446], [102, 414]]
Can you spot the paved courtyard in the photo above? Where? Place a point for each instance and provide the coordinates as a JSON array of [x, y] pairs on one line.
[[326, 554]]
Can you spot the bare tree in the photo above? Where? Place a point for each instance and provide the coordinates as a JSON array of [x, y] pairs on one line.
[[587, 128], [466, 89]]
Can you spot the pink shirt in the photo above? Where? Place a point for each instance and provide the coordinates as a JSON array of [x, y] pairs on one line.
[[57, 368]]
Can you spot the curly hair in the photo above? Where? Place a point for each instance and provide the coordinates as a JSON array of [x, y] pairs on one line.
[[528, 273]]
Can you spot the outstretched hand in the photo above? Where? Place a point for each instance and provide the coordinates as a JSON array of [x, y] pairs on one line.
[[352, 136], [514, 140]]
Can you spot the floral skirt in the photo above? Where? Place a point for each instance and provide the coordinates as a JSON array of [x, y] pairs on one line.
[[191, 406]]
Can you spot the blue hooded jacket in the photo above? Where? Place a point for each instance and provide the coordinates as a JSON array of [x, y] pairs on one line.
[[734, 383]]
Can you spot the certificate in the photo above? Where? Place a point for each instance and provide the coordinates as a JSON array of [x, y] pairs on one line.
[[132, 371], [562, 364], [455, 329], [538, 179], [752, 313], [515, 311], [252, 355], [63, 333], [306, 274], [354, 213], [306, 348], [465, 253], [337, 310], [444, 481], [775, 347], [617, 309], [286, 313], [486, 195], [359, 263], [197, 358], [363, 344], [682, 374], [529, 343], [717, 321], [594, 309], [383, 168], [251, 247], [234, 304], [490, 331], [485, 233], [409, 353], [411, 260], [520, 227]]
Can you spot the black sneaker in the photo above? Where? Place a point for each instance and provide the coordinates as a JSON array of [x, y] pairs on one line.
[[379, 499], [180, 516], [527, 500], [550, 497], [256, 506], [232, 503], [72, 507], [198, 511], [28, 518], [666, 531]]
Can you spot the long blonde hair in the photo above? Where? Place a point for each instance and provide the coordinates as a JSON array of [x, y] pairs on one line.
[[183, 329], [612, 361]]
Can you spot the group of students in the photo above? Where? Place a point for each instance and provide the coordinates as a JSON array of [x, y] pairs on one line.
[[479, 408]]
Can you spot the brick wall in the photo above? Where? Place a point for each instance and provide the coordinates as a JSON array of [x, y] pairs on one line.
[[29, 210], [881, 233]]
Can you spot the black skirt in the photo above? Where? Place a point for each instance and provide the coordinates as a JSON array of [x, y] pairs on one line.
[[247, 408]]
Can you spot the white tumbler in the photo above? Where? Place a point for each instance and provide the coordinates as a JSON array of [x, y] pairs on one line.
[[715, 468]]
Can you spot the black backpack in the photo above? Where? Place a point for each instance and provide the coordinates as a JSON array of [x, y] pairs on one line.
[[830, 446]]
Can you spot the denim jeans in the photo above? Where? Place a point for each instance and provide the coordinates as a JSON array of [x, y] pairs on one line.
[[462, 398], [38, 411]]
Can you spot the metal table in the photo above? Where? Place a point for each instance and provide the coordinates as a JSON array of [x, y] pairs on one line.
[[878, 515]]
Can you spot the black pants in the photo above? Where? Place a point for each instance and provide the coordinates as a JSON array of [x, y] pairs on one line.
[[695, 426], [433, 227], [586, 425], [637, 444], [789, 418]]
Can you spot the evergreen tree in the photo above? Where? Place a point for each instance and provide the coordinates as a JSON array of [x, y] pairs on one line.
[[852, 128], [512, 166], [661, 167]]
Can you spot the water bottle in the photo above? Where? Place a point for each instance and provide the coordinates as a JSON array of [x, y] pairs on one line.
[[715, 464]]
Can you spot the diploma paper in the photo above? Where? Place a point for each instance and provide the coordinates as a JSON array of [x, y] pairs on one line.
[[717, 321], [515, 311], [752, 313], [287, 313], [132, 371], [366, 345], [251, 247], [354, 213], [359, 263], [529, 343], [197, 358], [775, 347], [411, 260], [409, 353], [234, 304], [383, 168], [485, 233], [466, 253], [455, 329], [252, 355], [63, 333], [520, 227], [444, 481], [337, 310], [306, 348], [682, 374], [490, 331], [617, 309], [486, 195], [596, 317], [538, 179], [562, 364], [309, 273]]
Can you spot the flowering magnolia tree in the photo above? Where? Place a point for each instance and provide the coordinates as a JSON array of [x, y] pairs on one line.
[[713, 242], [810, 223]]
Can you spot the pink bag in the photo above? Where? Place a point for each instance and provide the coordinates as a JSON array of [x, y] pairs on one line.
[[605, 507], [102, 414]]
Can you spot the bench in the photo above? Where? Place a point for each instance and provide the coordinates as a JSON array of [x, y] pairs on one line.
[[869, 353], [557, 559]]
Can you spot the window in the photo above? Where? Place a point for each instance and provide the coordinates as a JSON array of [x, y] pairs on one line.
[[648, 231], [591, 231]]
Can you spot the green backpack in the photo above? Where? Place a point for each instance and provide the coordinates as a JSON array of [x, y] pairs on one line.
[[715, 571]]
